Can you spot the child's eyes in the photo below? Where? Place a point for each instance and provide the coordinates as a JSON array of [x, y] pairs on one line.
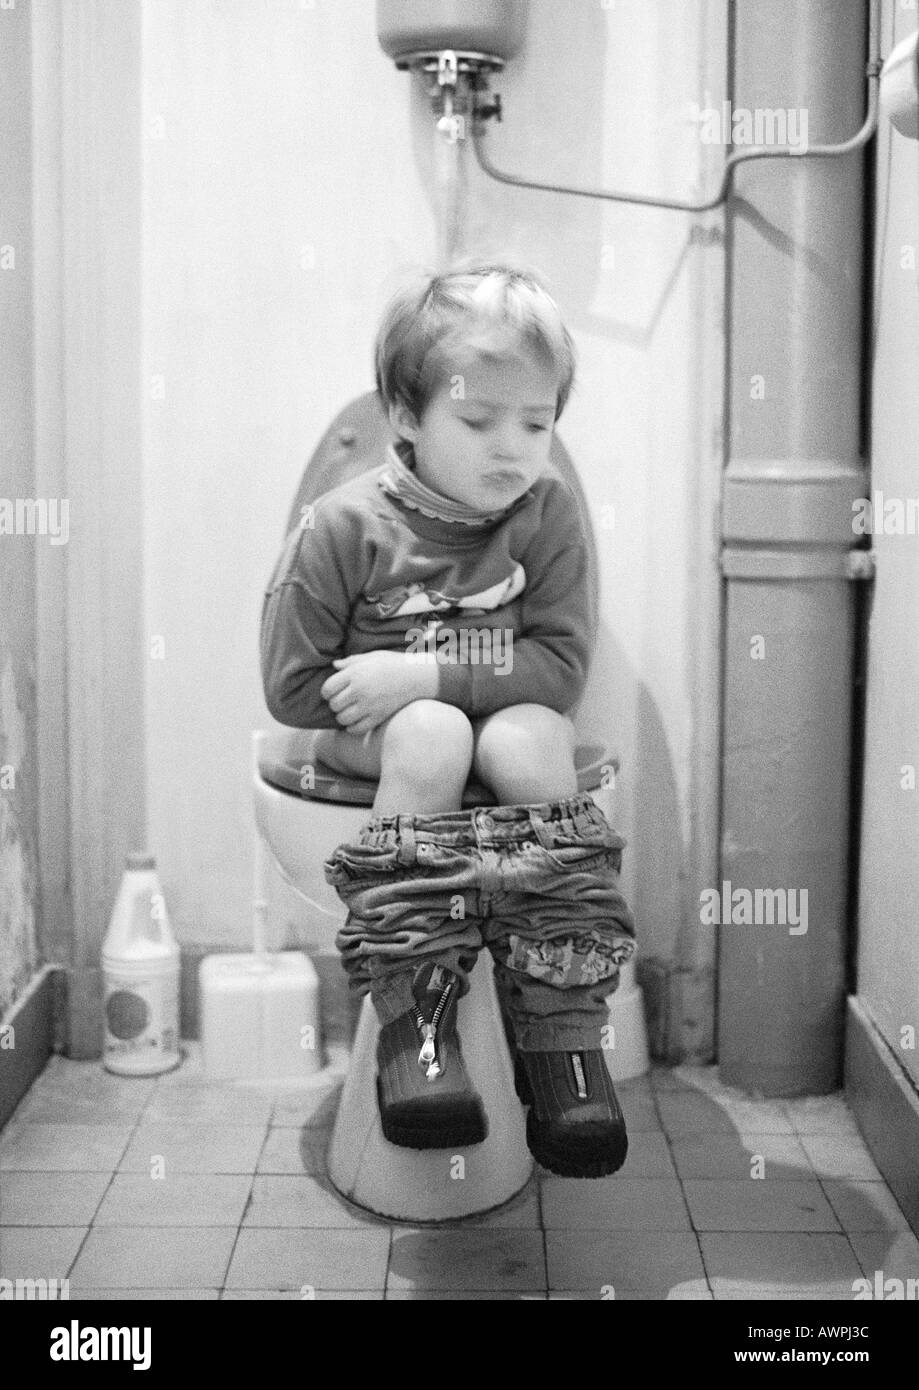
[[483, 424]]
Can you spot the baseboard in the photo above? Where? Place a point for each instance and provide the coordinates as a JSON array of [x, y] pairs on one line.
[[27, 1039], [885, 1103]]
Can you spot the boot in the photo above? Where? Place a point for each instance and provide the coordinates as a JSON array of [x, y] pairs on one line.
[[424, 1093], [575, 1126]]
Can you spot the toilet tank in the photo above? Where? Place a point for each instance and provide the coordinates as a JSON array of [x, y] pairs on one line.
[[480, 26]]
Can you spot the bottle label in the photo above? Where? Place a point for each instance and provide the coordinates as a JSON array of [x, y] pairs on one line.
[[141, 1018]]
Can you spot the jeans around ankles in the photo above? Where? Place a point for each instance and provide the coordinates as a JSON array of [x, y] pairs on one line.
[[535, 883]]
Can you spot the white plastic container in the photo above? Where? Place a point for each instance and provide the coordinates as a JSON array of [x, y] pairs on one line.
[[259, 1017], [140, 966]]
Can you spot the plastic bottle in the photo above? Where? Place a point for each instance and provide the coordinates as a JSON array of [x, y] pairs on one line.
[[140, 966]]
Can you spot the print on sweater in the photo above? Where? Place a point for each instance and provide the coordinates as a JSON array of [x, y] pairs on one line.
[[406, 599]]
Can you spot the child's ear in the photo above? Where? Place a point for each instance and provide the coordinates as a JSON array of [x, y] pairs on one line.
[[403, 421]]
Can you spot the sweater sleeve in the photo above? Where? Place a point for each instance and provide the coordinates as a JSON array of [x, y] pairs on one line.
[[305, 616], [549, 659]]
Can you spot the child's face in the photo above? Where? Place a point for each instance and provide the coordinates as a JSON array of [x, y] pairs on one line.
[[487, 447]]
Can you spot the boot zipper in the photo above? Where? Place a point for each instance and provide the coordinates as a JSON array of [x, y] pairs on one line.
[[580, 1080], [427, 1057]]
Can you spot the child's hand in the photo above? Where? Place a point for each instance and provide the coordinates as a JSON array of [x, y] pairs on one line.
[[370, 686]]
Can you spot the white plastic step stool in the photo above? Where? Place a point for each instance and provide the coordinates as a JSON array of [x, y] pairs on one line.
[[434, 1184]]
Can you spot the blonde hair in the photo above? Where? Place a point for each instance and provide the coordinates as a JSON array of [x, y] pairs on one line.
[[478, 309]]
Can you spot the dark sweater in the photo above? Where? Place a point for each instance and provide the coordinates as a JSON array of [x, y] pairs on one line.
[[374, 572]]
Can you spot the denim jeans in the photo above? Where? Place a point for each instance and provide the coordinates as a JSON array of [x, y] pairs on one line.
[[535, 883]]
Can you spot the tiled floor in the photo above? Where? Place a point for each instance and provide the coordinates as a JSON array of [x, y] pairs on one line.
[[176, 1188]]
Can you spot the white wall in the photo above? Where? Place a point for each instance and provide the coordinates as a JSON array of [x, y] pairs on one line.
[[888, 953], [270, 127]]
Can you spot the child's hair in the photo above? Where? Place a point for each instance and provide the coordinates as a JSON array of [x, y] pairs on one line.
[[478, 309]]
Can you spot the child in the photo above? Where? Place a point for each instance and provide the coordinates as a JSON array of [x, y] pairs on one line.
[[431, 622]]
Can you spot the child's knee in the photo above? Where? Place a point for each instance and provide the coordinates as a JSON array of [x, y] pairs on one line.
[[429, 734], [523, 740]]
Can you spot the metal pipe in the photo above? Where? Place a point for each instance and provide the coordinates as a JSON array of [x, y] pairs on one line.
[[857, 141], [794, 470]]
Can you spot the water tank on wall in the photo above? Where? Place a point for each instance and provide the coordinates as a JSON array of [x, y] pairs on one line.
[[494, 27]]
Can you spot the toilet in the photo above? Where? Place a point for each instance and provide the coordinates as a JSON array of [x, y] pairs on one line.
[[303, 810]]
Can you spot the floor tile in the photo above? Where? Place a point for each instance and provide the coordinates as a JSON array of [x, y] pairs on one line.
[[178, 1199], [287, 1295], [63, 1147], [63, 1077], [648, 1156], [38, 1252], [298, 1200], [154, 1257], [694, 1290], [894, 1253], [684, 1112], [190, 1069], [840, 1156], [832, 1291], [864, 1206], [289, 1150], [686, 1078], [193, 1148], [522, 1212], [756, 1116], [625, 1204], [209, 1104], [317, 1107], [466, 1295], [820, 1114], [737, 1156], [752, 1204], [470, 1259], [50, 1199], [640, 1112], [805, 1264], [144, 1295], [593, 1261], [93, 1097], [286, 1258]]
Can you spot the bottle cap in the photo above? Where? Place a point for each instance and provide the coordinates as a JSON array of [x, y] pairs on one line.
[[140, 861]]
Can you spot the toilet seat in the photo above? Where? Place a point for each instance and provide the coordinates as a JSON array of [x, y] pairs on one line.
[[283, 767]]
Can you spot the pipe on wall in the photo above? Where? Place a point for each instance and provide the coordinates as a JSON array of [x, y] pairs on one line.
[[793, 472]]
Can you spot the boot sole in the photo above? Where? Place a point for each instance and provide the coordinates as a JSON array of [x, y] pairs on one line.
[[588, 1151], [458, 1128]]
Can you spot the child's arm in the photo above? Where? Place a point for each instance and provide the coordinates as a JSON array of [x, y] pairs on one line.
[[548, 663], [305, 616]]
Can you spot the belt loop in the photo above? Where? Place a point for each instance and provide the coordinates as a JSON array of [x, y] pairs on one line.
[[406, 832], [540, 829]]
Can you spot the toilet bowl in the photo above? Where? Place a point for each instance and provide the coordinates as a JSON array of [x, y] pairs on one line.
[[304, 809]]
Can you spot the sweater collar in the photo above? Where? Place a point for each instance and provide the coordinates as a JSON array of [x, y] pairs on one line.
[[400, 480]]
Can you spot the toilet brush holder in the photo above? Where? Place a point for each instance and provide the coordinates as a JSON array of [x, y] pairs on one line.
[[259, 1010]]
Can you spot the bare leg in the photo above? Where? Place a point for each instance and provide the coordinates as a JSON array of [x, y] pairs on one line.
[[525, 753], [422, 756]]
